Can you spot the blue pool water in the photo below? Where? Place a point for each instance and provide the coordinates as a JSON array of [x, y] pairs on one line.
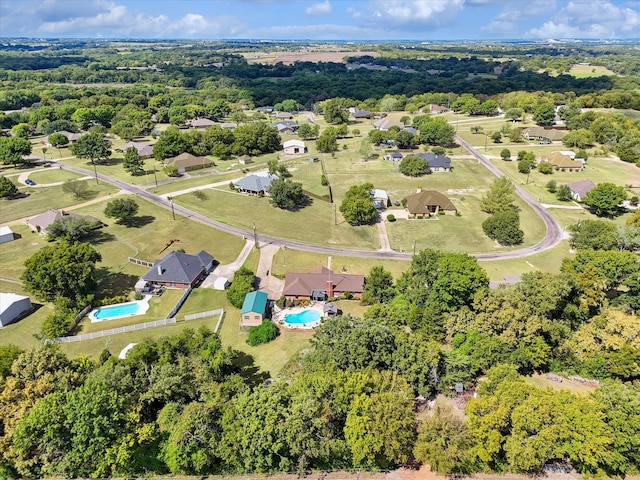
[[305, 316], [116, 310]]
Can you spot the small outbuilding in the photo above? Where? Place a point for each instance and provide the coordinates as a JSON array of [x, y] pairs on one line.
[[254, 309], [330, 309], [220, 283], [13, 307], [294, 147], [6, 235]]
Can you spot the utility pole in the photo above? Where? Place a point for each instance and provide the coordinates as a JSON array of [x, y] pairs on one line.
[[255, 235], [155, 176], [173, 213], [414, 248]]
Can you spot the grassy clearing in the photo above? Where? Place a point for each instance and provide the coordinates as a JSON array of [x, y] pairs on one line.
[[52, 175], [588, 71], [313, 224], [45, 198], [541, 381], [13, 254], [154, 227], [548, 261]]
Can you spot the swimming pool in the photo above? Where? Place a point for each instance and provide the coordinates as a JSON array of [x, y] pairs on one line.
[[303, 317], [119, 310]]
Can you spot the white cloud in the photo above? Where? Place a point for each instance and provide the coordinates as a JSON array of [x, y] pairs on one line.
[[509, 18], [104, 18], [587, 19], [400, 13], [321, 8]]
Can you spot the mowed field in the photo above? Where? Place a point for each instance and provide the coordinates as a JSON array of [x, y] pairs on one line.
[[289, 58]]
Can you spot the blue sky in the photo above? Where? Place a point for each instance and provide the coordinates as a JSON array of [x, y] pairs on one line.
[[322, 19]]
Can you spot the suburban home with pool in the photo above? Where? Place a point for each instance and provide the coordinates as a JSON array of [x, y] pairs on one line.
[[254, 309], [428, 202], [321, 283], [179, 270]]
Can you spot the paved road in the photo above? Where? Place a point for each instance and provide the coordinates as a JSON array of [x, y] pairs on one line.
[[554, 231], [552, 238]]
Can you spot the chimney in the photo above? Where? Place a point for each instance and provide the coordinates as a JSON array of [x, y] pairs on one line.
[[329, 288], [159, 269]]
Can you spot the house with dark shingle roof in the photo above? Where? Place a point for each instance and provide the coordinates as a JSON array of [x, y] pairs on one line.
[[437, 163], [180, 270], [256, 184], [394, 156], [254, 309], [428, 202], [321, 283], [361, 114]]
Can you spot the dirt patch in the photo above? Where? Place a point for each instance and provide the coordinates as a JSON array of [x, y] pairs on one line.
[[316, 57]]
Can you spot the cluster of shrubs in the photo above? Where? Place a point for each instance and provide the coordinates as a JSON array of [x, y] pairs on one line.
[[263, 333]]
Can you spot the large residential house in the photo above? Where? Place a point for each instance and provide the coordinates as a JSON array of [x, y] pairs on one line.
[[580, 189], [186, 162], [72, 137], [437, 163], [385, 124], [321, 283], [541, 133], [428, 202], [561, 162], [40, 223], [201, 123], [144, 150], [179, 270], [257, 184]]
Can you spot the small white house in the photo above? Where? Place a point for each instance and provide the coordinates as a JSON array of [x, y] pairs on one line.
[[13, 307], [294, 147], [6, 235]]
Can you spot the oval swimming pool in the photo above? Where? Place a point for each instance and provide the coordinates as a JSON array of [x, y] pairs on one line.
[[117, 310], [302, 318]]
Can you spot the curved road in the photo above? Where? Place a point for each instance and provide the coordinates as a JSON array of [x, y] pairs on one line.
[[554, 231], [553, 236]]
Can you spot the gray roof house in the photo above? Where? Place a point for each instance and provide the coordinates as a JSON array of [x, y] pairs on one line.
[[180, 270], [257, 184], [395, 155], [580, 189], [144, 150], [437, 163]]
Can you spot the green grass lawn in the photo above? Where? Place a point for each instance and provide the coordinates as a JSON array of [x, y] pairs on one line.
[[548, 261], [13, 254], [588, 71], [43, 199], [154, 227], [52, 175], [313, 224], [541, 381]]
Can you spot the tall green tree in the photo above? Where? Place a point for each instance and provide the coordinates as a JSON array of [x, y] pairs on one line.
[[328, 140], [504, 227], [12, 150], [7, 187], [132, 162], [122, 209], [605, 199], [357, 208], [61, 270], [500, 196], [413, 166], [93, 146], [378, 286], [287, 195]]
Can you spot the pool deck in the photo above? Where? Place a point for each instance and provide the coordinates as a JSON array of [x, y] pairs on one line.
[[143, 306], [278, 316]]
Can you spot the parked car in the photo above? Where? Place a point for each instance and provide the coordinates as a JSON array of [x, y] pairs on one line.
[[396, 203], [28, 181], [545, 142]]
